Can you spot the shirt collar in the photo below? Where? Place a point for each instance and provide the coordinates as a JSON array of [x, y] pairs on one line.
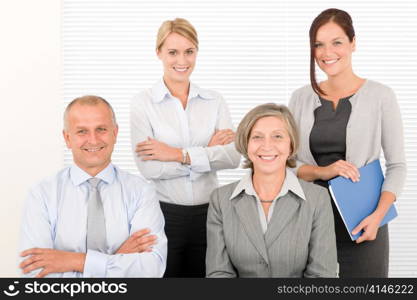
[[79, 176], [196, 91], [291, 183], [160, 92]]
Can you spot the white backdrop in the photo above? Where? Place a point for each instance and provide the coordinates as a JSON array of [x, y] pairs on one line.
[[30, 110], [251, 51]]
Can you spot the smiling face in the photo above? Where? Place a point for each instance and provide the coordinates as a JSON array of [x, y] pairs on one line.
[[91, 135], [333, 50], [178, 56], [269, 145]]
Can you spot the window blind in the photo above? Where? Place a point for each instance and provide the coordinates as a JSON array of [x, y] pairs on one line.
[[252, 52]]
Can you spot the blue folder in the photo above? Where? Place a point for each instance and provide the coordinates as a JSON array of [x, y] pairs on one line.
[[357, 200]]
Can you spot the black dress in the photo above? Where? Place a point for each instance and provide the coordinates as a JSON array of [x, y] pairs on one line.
[[328, 145]]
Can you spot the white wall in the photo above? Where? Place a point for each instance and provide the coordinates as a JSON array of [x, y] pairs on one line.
[[251, 51], [31, 84], [31, 104]]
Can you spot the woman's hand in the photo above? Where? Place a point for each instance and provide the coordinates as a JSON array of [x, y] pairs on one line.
[[222, 137], [370, 226], [156, 150], [339, 168]]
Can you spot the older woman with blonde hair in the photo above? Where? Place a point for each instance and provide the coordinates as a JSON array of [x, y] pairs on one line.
[[270, 224], [181, 135]]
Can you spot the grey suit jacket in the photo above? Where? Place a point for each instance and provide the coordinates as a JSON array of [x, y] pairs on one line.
[[299, 242]]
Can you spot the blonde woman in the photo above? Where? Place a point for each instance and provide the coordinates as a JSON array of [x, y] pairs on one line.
[[181, 135], [345, 122], [270, 224]]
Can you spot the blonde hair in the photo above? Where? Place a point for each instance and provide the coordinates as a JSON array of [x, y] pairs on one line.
[[180, 26], [87, 100], [266, 110]]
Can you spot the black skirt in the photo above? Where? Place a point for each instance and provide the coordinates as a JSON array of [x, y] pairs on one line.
[[185, 228]]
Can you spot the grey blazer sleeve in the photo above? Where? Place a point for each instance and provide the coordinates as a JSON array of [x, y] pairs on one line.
[[218, 263], [322, 258]]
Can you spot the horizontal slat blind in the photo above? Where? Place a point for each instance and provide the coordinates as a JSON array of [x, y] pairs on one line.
[[252, 52]]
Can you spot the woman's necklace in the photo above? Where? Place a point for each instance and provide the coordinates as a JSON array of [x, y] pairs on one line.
[[266, 201]]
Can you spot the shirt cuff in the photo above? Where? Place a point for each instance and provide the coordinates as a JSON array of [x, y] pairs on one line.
[[199, 160], [95, 264]]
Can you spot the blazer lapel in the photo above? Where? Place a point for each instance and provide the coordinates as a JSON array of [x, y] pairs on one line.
[[284, 210], [248, 214]]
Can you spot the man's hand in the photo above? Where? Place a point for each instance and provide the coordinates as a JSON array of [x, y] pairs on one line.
[[222, 137], [140, 241], [51, 261]]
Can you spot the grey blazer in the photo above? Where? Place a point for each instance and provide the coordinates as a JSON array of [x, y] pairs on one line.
[[299, 242]]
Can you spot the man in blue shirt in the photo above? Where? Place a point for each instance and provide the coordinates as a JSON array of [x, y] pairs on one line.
[[92, 219]]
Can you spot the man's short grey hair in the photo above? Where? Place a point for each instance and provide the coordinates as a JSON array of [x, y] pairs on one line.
[[87, 100]]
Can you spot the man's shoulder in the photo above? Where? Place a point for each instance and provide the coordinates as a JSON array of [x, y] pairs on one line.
[[52, 181], [136, 190], [45, 190], [133, 181], [126, 176]]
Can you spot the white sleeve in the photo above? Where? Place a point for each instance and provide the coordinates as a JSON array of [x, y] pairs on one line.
[[146, 264], [140, 130], [205, 159], [37, 230]]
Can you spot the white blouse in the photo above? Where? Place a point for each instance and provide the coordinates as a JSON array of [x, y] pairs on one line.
[[157, 114]]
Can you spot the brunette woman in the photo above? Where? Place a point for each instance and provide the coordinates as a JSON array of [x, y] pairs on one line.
[[345, 122]]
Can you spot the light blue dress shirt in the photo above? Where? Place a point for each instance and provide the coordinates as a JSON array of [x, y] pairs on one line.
[[157, 114], [55, 216]]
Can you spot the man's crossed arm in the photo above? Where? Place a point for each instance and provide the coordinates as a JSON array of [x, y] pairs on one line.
[[58, 261]]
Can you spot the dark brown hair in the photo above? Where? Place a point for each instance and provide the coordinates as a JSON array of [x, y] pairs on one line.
[[341, 18]]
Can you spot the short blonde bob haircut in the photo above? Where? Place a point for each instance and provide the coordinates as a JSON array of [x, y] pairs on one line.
[[180, 26], [266, 110]]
